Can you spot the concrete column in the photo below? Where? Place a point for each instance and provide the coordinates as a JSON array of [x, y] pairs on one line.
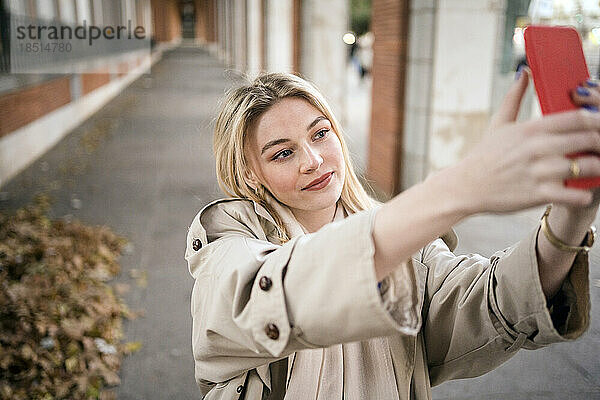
[[130, 14], [239, 34], [84, 12], [67, 11], [279, 45], [17, 7], [323, 53], [463, 72], [148, 18], [227, 34], [45, 9], [254, 37], [221, 28], [98, 15], [418, 91], [123, 12]]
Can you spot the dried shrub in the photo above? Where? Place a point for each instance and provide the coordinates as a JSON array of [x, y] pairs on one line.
[[60, 322]]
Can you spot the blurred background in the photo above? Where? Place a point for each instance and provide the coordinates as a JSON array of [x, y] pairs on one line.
[[127, 142]]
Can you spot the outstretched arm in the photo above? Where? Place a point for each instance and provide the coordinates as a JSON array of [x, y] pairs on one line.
[[515, 166], [569, 224]]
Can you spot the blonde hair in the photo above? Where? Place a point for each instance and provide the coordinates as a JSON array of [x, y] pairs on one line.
[[241, 107]]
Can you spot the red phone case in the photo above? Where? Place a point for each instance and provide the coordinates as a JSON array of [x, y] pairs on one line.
[[555, 57]]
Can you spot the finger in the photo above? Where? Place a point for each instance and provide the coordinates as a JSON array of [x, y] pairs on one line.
[[592, 83], [509, 109], [556, 192], [586, 96], [587, 166], [559, 168], [560, 144], [564, 122]]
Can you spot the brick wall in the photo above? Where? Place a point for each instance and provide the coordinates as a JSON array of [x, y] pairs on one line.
[[211, 15], [122, 69], [205, 20], [90, 82], [201, 17], [166, 20], [389, 22], [25, 106], [297, 34]]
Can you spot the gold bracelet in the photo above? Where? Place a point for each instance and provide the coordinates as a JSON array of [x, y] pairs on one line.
[[588, 240]]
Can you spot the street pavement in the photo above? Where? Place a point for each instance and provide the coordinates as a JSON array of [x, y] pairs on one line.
[[143, 166], [560, 371]]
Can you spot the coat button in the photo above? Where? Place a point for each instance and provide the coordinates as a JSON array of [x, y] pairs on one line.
[[265, 283], [196, 244], [272, 331], [240, 388]]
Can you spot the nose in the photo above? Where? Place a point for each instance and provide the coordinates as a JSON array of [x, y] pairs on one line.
[[311, 160]]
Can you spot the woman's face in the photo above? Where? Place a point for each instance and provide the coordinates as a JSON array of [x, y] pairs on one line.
[[291, 145]]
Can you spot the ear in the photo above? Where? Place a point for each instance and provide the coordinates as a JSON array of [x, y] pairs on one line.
[[251, 178]]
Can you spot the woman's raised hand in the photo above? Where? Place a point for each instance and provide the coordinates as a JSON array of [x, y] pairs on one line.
[[521, 165]]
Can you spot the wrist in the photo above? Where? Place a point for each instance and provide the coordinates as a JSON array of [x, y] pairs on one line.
[[575, 217], [456, 202], [570, 225]]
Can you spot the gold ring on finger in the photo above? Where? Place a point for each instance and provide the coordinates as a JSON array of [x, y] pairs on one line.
[[574, 169]]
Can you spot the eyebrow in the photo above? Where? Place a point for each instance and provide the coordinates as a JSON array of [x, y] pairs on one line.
[[279, 141], [316, 121]]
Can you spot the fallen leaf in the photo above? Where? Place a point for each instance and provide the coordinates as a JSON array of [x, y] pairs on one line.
[[132, 347], [60, 324]]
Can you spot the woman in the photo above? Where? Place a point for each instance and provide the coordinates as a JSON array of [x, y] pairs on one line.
[[306, 286]]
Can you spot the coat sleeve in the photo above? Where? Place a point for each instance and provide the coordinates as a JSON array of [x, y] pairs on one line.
[[318, 289], [481, 311]]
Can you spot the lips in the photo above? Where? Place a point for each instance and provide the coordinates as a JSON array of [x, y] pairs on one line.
[[318, 180]]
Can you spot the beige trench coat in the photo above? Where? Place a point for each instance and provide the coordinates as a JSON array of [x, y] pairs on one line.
[[334, 334]]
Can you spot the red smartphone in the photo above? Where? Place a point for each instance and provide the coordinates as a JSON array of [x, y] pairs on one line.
[[555, 57]]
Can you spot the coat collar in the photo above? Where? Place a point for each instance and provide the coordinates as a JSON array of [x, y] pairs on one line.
[[294, 227], [291, 223]]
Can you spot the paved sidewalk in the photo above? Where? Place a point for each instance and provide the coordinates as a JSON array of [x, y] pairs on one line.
[[144, 166], [560, 371]]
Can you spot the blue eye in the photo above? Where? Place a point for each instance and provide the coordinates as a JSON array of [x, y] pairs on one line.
[[324, 131], [280, 153]]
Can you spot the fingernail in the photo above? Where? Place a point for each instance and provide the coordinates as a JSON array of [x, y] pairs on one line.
[[519, 71], [582, 91], [592, 83], [590, 108]]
